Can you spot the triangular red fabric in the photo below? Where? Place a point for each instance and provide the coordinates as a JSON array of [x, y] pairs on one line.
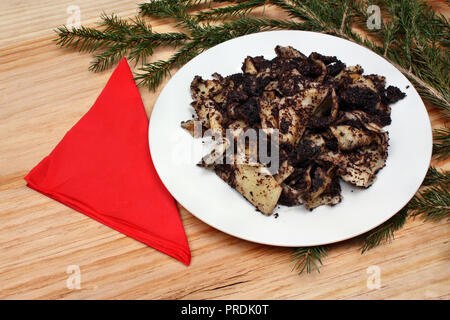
[[103, 168]]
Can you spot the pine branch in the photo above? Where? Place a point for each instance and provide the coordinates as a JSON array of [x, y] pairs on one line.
[[113, 23], [441, 143], [324, 16], [167, 8], [245, 25], [109, 56], [309, 258], [174, 9], [144, 46], [384, 232], [85, 39], [155, 72], [232, 11], [433, 203], [435, 176], [119, 38]]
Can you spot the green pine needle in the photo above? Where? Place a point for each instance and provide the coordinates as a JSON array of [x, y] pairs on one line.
[[232, 11], [433, 203], [108, 57], [309, 258], [85, 39], [436, 176], [174, 9], [155, 72], [441, 143], [119, 38], [165, 8]]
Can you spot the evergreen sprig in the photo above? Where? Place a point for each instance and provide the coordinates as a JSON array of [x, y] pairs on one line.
[[173, 9], [85, 39], [231, 11], [412, 36], [436, 176], [384, 232], [134, 39], [441, 143], [152, 74], [308, 258], [432, 203]]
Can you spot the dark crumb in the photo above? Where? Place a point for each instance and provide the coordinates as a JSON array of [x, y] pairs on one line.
[[250, 111], [275, 215], [384, 119], [325, 59], [335, 68], [284, 125], [309, 69], [319, 122], [393, 94], [407, 87], [359, 98], [332, 144], [260, 63]]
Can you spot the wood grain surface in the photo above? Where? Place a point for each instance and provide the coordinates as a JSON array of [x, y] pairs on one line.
[[44, 91]]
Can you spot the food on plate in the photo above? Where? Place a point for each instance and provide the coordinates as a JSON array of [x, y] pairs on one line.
[[323, 118]]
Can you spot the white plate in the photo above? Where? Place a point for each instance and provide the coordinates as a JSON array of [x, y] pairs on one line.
[[211, 200]]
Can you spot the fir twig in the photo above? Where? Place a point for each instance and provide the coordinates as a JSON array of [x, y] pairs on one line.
[[309, 258], [85, 39], [436, 176], [433, 203], [174, 9], [384, 232], [134, 39], [155, 72], [441, 143], [222, 13]]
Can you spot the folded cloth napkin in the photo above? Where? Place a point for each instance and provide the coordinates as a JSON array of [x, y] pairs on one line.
[[103, 168]]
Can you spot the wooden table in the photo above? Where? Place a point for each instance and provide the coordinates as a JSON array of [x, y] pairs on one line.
[[43, 92]]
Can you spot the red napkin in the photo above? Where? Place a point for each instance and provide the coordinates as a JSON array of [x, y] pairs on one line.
[[103, 168]]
